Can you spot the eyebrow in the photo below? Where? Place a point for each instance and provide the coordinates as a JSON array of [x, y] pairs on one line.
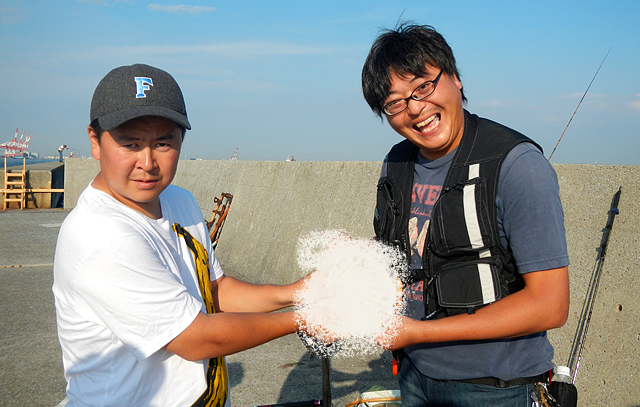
[[391, 92], [127, 138], [412, 80]]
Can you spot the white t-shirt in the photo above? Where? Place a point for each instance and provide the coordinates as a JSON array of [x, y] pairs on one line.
[[125, 286]]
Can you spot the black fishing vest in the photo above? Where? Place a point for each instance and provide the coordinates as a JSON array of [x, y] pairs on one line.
[[464, 265]]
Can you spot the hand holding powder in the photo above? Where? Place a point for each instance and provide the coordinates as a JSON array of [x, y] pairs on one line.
[[354, 292]]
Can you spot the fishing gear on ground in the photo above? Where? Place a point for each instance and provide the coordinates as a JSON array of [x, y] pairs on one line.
[[587, 308], [562, 392]]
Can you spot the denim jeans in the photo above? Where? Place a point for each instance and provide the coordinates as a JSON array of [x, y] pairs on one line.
[[417, 390]]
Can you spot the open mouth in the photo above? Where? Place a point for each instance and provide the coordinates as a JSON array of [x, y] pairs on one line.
[[429, 124]]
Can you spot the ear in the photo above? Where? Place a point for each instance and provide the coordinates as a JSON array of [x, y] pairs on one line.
[[457, 81], [95, 143]]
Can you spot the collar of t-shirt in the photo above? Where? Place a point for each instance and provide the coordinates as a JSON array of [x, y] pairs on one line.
[[438, 162]]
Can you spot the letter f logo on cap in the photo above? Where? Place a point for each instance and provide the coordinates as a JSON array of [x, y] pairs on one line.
[[142, 84]]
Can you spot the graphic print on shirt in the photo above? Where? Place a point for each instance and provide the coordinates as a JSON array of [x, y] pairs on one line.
[[217, 379], [423, 197]]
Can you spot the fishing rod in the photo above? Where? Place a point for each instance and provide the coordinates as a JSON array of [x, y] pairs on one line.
[[587, 308], [574, 112]]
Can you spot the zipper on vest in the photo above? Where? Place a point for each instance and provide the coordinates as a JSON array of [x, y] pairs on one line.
[[427, 289], [395, 210]]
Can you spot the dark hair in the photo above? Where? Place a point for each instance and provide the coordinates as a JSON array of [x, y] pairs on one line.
[[95, 125], [406, 50]]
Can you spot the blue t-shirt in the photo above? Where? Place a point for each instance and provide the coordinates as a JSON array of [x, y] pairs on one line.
[[531, 225]]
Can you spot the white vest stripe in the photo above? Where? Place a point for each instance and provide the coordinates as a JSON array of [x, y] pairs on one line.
[[471, 213], [475, 237], [486, 282]]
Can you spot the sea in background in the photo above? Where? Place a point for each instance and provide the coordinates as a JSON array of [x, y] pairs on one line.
[[12, 162]]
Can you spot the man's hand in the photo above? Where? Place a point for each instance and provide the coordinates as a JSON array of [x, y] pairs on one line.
[[541, 305], [397, 333]]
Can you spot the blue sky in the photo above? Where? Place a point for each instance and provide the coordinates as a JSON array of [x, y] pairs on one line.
[[282, 78]]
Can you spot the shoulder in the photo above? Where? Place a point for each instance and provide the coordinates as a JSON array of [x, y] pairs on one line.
[[527, 180], [530, 210], [525, 163], [402, 151], [176, 196], [97, 211], [175, 192], [401, 156], [526, 149], [99, 221], [494, 136], [178, 204]]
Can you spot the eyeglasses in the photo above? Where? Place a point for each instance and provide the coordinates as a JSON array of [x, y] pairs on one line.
[[421, 92]]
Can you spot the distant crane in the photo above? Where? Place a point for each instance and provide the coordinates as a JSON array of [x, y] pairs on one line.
[[16, 147]]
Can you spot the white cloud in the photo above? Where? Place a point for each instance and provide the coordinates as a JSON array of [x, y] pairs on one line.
[[500, 103], [98, 2], [104, 2], [611, 102], [12, 15], [181, 9], [238, 49]]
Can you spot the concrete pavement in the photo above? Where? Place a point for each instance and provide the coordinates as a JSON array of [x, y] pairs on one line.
[[30, 357]]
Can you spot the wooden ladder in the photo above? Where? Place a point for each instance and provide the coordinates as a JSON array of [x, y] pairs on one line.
[[15, 185]]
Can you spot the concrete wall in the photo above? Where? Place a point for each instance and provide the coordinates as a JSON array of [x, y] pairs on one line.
[[40, 176], [277, 203]]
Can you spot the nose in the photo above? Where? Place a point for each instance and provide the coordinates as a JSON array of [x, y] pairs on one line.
[[146, 159], [414, 107]]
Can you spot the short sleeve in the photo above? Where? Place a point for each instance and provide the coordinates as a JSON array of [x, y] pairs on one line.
[[215, 270], [133, 291], [530, 215]]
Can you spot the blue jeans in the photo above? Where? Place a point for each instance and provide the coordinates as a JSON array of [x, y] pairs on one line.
[[417, 390]]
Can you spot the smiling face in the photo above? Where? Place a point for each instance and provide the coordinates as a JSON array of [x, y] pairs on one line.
[[138, 160], [434, 124]]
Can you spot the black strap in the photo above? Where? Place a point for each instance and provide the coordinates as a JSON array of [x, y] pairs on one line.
[[495, 382]]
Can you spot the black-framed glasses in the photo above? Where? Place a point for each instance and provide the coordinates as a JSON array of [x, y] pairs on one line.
[[421, 92]]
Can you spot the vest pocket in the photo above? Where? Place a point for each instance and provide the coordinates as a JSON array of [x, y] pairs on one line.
[[470, 285], [460, 221]]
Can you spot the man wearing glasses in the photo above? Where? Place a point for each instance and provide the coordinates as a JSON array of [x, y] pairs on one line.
[[476, 207]]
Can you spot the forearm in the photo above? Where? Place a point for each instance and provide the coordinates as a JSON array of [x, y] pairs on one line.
[[543, 304], [223, 334], [233, 295], [516, 315]]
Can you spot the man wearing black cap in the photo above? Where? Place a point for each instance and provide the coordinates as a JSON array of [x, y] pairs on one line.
[[141, 320]]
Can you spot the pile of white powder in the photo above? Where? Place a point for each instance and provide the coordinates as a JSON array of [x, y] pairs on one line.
[[354, 292]]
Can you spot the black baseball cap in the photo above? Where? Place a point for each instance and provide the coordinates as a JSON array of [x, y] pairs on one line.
[[133, 91]]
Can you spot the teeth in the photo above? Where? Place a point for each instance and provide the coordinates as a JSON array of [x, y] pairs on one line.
[[429, 124]]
